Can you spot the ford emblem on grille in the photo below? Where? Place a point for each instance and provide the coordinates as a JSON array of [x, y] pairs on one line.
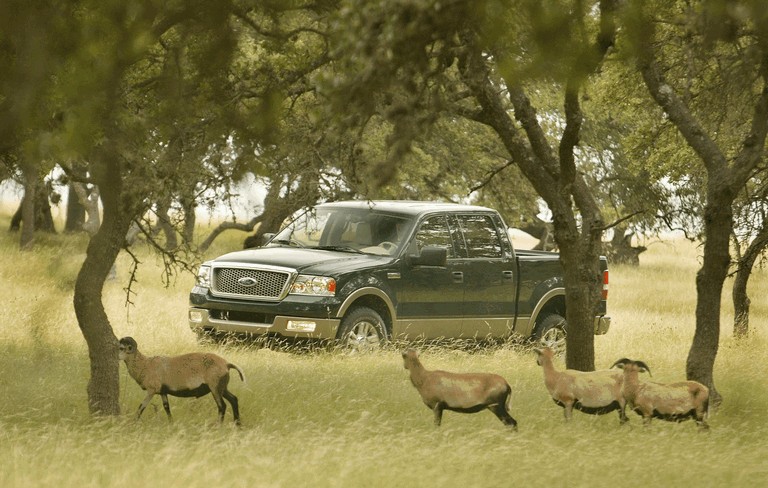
[[247, 281]]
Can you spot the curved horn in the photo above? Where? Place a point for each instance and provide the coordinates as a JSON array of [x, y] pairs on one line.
[[621, 363], [643, 367]]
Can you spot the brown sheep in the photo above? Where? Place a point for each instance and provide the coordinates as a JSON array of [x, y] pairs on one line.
[[591, 392], [674, 402], [189, 375], [459, 392]]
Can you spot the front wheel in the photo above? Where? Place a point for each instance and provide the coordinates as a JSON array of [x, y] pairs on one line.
[[362, 330], [550, 332]]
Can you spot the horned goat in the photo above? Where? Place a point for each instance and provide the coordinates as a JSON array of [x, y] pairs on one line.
[[590, 392], [459, 392], [674, 402], [189, 375]]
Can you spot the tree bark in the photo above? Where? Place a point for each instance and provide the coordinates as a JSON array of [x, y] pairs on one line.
[[741, 300], [709, 288], [103, 248]]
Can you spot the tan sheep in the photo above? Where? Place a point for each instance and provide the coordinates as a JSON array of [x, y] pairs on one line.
[[459, 392], [673, 402], [189, 375], [590, 392]]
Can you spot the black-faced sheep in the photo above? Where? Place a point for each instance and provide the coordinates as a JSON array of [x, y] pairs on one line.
[[668, 401], [189, 375], [591, 392], [459, 392]]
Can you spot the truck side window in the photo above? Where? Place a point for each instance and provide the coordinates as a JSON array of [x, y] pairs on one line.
[[435, 232], [481, 236]]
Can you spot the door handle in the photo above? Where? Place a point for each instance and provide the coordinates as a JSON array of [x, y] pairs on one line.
[[458, 277], [508, 275]]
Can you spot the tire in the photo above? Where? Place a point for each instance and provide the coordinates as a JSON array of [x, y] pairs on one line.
[[361, 330], [550, 332]]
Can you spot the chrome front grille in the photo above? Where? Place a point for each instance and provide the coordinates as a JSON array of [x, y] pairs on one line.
[[249, 283]]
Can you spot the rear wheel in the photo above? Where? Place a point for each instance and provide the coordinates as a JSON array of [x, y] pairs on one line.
[[362, 330], [550, 332]]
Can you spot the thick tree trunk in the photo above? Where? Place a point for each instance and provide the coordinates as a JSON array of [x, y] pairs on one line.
[[718, 223], [103, 386], [583, 280], [741, 300]]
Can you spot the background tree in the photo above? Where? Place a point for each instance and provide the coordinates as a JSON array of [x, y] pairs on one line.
[[721, 45]]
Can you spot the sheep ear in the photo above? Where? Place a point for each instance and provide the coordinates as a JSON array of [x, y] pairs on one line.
[[538, 351]]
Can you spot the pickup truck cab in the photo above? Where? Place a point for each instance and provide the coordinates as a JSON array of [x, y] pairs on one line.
[[365, 272]]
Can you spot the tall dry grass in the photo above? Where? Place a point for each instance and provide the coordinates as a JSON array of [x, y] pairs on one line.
[[330, 420]]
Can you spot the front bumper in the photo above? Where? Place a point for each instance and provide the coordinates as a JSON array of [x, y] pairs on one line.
[[298, 327], [602, 324]]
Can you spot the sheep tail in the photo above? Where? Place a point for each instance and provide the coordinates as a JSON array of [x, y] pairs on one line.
[[236, 368]]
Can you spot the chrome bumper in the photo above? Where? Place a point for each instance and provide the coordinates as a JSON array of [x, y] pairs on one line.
[[200, 319]]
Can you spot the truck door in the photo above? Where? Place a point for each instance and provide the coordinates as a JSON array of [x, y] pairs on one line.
[[490, 276], [430, 297]]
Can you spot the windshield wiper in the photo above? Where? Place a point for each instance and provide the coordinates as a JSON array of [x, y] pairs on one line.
[[287, 242], [340, 248]]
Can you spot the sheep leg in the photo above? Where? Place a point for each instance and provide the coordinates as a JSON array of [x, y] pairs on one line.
[[438, 411], [568, 410], [144, 404], [232, 399], [166, 405], [623, 419], [701, 420], [501, 412], [220, 404]]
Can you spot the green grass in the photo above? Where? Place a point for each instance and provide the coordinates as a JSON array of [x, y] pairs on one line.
[[329, 420]]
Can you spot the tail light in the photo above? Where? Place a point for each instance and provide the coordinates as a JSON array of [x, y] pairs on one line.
[[605, 285]]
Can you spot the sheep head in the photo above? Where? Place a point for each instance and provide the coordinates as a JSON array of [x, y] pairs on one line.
[[127, 346], [543, 352], [410, 357]]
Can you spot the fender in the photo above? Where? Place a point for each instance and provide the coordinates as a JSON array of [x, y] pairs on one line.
[[554, 292], [360, 292]]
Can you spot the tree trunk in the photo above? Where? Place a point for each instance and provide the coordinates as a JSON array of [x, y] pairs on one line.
[[75, 210], [190, 220], [718, 223], [741, 300], [27, 213], [165, 226], [583, 281], [103, 248]]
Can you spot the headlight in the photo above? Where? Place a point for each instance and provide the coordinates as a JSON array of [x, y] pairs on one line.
[[314, 285], [204, 276]]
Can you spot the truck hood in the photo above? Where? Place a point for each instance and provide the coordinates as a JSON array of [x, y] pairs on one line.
[[310, 261]]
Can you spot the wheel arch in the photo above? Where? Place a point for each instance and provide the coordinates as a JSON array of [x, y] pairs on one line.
[[551, 302], [373, 298]]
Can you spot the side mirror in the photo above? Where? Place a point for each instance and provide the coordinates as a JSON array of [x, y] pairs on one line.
[[266, 237], [430, 256]]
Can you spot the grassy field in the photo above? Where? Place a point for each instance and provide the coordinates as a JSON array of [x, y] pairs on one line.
[[330, 420]]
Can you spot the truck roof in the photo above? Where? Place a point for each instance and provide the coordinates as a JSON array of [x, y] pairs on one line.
[[411, 207]]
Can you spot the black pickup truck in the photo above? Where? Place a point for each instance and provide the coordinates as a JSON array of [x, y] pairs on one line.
[[365, 272]]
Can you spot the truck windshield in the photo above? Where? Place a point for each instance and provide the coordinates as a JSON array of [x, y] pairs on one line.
[[346, 229]]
